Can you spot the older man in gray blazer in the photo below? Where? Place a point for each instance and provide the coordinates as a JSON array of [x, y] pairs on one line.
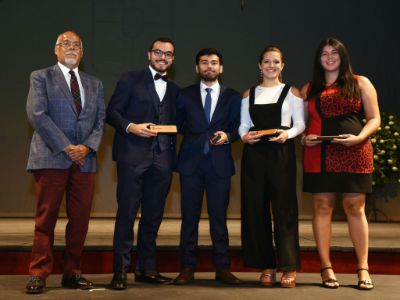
[[65, 107]]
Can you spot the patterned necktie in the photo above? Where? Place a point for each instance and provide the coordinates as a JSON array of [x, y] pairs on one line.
[[76, 94], [207, 111]]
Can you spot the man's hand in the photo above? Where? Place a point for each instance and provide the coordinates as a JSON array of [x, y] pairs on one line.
[[142, 130], [77, 153], [223, 138]]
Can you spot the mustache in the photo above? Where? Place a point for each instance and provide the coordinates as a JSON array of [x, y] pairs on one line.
[[71, 52]]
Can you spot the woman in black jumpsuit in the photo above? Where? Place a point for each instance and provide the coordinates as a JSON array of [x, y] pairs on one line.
[[268, 178]]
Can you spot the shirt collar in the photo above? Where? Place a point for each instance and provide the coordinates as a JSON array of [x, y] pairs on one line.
[[215, 87], [65, 70]]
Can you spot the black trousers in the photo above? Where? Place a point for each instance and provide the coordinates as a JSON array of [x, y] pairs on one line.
[[268, 182], [144, 185]]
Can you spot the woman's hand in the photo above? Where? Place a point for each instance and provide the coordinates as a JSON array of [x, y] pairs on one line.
[[310, 140], [281, 138], [347, 140], [251, 137]]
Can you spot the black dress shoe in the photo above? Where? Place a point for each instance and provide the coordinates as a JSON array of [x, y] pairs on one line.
[[119, 281], [151, 277], [35, 285], [185, 276], [225, 276], [76, 281]]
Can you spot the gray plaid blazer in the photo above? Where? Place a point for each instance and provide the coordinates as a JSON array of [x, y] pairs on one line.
[[53, 116]]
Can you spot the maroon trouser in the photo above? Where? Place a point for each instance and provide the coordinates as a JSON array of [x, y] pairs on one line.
[[50, 186]]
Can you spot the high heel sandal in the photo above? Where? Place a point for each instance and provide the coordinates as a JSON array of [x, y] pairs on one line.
[[288, 279], [364, 284], [268, 277], [331, 282]]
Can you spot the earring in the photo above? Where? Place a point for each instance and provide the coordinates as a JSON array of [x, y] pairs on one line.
[[261, 76]]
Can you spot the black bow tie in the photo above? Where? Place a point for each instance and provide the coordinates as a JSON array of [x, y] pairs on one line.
[[158, 76]]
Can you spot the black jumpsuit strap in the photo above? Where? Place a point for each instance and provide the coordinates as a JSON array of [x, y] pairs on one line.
[[283, 94], [252, 96]]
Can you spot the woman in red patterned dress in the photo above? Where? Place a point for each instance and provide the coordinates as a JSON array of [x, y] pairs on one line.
[[338, 155]]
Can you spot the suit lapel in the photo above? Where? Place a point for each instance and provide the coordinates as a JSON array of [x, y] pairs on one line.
[[86, 89], [62, 84], [151, 88], [220, 103], [168, 90], [198, 102]]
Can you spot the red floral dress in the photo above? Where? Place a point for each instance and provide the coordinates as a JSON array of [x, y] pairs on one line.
[[331, 167]]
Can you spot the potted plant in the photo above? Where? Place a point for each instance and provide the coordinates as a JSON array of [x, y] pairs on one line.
[[386, 175]]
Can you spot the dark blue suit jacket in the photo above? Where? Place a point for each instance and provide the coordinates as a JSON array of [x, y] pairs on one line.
[[135, 100], [192, 123]]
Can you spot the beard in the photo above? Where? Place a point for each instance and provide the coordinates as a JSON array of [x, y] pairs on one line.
[[208, 76], [161, 68], [71, 58], [71, 61]]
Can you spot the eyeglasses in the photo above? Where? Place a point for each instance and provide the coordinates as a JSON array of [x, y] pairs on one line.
[[159, 53], [67, 44]]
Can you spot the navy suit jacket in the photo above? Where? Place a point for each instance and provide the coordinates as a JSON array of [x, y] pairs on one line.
[[52, 113], [135, 100], [192, 123]]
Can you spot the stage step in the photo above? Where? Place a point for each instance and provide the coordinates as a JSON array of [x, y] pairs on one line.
[[16, 241], [100, 261]]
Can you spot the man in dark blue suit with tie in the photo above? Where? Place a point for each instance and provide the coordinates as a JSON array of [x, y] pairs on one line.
[[208, 116], [144, 161]]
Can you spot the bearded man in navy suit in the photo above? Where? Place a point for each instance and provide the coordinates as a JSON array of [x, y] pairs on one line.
[[208, 116], [65, 107], [144, 161]]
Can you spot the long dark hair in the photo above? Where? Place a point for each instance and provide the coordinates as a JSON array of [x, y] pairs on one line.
[[345, 81]]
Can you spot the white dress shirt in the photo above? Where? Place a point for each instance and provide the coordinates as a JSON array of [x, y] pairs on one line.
[[160, 84], [215, 90], [67, 77], [292, 109]]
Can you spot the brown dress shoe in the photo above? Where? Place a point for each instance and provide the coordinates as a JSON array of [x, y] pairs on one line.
[[35, 285], [185, 276], [225, 276]]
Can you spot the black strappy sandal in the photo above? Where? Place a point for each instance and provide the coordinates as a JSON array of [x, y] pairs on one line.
[[326, 283], [366, 284]]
